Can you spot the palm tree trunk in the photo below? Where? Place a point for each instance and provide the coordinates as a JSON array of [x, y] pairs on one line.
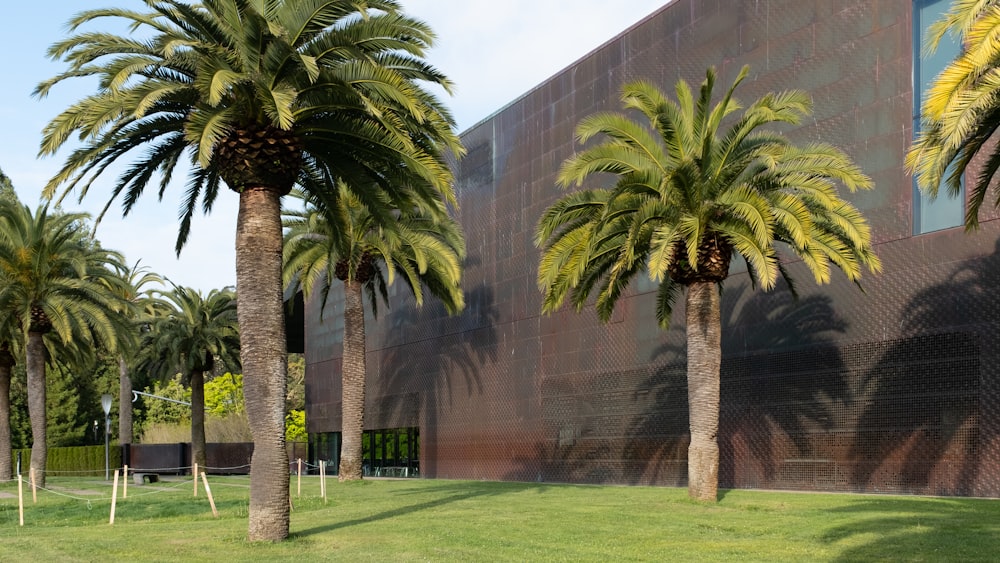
[[198, 418], [353, 382], [6, 365], [262, 351], [35, 366], [704, 353], [124, 403]]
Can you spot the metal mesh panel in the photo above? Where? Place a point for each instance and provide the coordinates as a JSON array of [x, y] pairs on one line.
[[893, 389]]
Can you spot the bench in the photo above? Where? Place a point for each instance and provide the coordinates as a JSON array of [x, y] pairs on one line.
[[140, 478]]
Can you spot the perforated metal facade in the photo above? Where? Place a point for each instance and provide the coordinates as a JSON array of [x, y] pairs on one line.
[[894, 389]]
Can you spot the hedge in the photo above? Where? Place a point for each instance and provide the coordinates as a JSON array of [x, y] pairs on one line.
[[77, 460]]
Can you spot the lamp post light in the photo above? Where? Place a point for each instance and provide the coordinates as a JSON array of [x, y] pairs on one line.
[[106, 405]]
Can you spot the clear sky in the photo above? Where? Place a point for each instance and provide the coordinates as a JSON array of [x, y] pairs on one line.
[[493, 51]]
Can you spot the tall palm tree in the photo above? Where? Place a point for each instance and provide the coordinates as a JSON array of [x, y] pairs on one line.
[[189, 339], [423, 245], [961, 111], [688, 195], [136, 297], [256, 94], [54, 281]]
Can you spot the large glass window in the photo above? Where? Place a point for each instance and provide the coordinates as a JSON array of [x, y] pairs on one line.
[[945, 211], [324, 446], [392, 452]]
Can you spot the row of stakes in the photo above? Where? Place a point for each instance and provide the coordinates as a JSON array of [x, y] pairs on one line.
[[204, 478]]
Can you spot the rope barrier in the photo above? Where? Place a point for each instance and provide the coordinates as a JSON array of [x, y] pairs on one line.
[[85, 499], [246, 465], [171, 485]]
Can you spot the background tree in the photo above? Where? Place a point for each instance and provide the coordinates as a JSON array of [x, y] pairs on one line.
[[7, 362], [64, 424], [53, 279], [189, 339], [688, 195], [6, 186], [295, 398], [255, 95], [9, 330], [137, 296], [349, 243], [169, 412], [224, 395], [961, 111]]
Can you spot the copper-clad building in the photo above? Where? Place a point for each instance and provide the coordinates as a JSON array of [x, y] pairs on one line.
[[894, 389]]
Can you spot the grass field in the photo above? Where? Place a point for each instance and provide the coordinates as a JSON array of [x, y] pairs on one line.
[[431, 520]]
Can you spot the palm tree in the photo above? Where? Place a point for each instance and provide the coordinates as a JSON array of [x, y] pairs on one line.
[[138, 302], [189, 339], [349, 243], [688, 196], [961, 111], [53, 279], [255, 95]]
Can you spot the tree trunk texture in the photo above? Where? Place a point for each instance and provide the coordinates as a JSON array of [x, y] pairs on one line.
[[198, 419], [6, 472], [353, 383], [35, 366], [124, 403], [262, 350], [704, 358]]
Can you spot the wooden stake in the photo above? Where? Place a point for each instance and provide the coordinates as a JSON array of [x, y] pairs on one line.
[[20, 499], [208, 491], [125, 482], [195, 473], [322, 480], [298, 492], [114, 498], [34, 487]]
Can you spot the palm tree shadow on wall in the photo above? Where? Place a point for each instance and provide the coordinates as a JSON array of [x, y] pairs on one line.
[[632, 427], [434, 371], [782, 383], [919, 430]]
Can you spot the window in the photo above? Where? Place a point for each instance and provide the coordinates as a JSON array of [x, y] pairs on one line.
[[945, 211], [393, 452]]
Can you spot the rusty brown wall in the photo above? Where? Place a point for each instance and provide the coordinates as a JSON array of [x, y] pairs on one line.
[[894, 389]]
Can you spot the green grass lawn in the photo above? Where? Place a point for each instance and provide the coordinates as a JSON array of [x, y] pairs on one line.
[[429, 520]]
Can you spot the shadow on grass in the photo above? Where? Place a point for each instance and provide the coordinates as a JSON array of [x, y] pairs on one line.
[[454, 494], [916, 530]]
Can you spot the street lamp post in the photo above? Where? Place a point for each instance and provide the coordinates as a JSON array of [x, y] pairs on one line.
[[106, 405]]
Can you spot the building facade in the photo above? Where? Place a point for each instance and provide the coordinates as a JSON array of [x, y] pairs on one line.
[[890, 389]]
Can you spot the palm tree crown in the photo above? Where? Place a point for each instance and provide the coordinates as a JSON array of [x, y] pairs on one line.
[[193, 332], [961, 110], [689, 195], [253, 95], [56, 279], [423, 245]]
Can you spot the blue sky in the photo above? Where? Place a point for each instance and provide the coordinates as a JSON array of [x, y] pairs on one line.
[[493, 51]]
